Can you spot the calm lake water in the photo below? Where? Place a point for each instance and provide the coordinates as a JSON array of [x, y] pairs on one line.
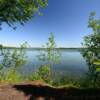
[[72, 63]]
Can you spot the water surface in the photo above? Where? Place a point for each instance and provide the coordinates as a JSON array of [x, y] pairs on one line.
[[72, 63]]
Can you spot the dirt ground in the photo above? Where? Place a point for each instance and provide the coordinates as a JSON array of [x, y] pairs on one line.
[[40, 91]]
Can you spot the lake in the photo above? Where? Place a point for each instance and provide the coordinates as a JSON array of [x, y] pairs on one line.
[[72, 63]]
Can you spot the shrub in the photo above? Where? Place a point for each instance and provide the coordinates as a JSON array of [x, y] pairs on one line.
[[50, 55], [12, 60]]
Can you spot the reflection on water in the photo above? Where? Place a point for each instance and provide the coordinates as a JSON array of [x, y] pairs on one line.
[[72, 63]]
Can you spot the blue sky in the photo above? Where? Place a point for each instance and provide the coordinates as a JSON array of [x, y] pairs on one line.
[[67, 19]]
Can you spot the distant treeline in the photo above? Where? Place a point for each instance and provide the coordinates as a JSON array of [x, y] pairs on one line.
[[39, 48]]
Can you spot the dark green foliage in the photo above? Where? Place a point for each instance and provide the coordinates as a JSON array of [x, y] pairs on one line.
[[66, 80], [92, 51], [90, 81], [21, 11], [1, 46]]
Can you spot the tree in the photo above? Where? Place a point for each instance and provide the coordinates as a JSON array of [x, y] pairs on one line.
[[92, 49], [21, 11], [1, 47], [12, 61], [50, 55]]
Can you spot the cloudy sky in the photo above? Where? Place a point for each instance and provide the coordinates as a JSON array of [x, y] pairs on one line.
[[67, 19]]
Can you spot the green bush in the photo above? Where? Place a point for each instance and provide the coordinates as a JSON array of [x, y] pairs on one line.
[[12, 60], [12, 76], [34, 76], [91, 53], [43, 73]]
